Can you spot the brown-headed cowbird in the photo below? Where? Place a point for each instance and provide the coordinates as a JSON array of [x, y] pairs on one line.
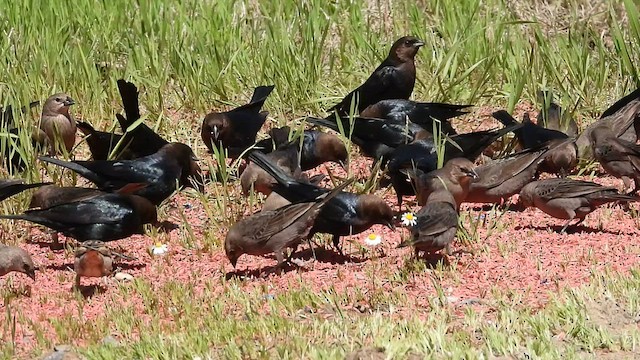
[[345, 214], [618, 157], [103, 217], [172, 164], [293, 157], [13, 258], [422, 155], [562, 160], [102, 143], [551, 116], [93, 258], [569, 199], [623, 118], [456, 176], [11, 187], [420, 113], [274, 231], [58, 124], [436, 224], [276, 201], [505, 177], [235, 130], [141, 140], [393, 79]]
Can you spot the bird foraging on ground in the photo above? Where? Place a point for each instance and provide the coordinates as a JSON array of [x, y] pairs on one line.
[[569, 199], [456, 176], [273, 231], [13, 258], [93, 258], [618, 157], [58, 124]]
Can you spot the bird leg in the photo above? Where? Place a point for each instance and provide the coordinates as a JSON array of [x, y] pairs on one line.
[[293, 251], [336, 244], [564, 228]]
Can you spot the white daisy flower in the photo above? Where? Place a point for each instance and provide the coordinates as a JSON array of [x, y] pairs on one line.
[[159, 249], [409, 219], [373, 239]]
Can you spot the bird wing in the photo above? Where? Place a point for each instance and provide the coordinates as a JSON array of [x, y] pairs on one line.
[[273, 222], [435, 218], [567, 188]]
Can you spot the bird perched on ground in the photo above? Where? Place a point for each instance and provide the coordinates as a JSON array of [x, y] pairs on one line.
[[569, 199], [393, 79], [505, 177], [273, 231], [293, 157], [58, 124], [623, 118], [551, 116], [345, 214], [173, 163], [456, 176], [560, 161], [436, 223], [10, 187], [141, 140], [102, 143], [13, 258], [235, 130], [420, 113], [276, 201], [103, 217], [618, 157], [277, 137], [94, 259]]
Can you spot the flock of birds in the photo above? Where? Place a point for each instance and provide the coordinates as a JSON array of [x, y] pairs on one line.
[[138, 170]]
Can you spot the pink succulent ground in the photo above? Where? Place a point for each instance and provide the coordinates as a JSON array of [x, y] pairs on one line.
[[525, 256]]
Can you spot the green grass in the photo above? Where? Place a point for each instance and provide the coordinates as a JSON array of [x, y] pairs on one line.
[[188, 57]]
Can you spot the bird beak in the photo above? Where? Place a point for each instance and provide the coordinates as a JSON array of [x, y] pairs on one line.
[[418, 43], [69, 102], [32, 274], [234, 261], [215, 133], [344, 165], [473, 175]]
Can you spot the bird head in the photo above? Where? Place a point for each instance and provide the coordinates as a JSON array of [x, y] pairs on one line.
[[330, 148], [525, 198], [57, 104], [212, 129], [405, 48], [374, 210], [462, 170]]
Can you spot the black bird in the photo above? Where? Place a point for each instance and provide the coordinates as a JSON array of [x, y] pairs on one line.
[[235, 130], [11, 187], [13, 159], [345, 214], [161, 171], [551, 116], [393, 79], [102, 143]]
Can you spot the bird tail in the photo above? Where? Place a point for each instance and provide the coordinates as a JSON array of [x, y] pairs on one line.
[[263, 162], [505, 118], [260, 95], [86, 173], [14, 187], [86, 128], [621, 103], [328, 123], [130, 103], [442, 111], [32, 218]]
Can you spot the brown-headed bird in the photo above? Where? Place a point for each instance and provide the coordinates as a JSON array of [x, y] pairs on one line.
[[316, 148], [11, 187], [94, 259], [13, 258], [618, 157], [58, 124], [436, 224], [456, 176], [506, 176], [393, 79], [103, 217], [562, 160], [235, 130], [276, 230], [346, 214], [569, 199], [171, 165]]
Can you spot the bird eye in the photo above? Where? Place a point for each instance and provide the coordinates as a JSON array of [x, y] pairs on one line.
[[407, 42], [58, 100]]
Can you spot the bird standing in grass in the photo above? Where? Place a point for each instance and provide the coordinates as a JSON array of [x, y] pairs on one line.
[[58, 124], [13, 258]]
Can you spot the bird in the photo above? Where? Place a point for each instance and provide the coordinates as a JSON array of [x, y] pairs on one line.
[[173, 163], [102, 143], [93, 258], [394, 78], [569, 199], [139, 140], [13, 258], [6, 113], [10, 187], [423, 155], [619, 158], [506, 176], [436, 224], [277, 137], [561, 160], [345, 214], [276, 230], [276, 201], [552, 116], [456, 176], [235, 130], [623, 118], [58, 124], [16, 152], [306, 152], [421, 113], [106, 217]]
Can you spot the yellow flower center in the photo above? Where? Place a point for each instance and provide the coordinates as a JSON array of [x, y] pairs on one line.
[[372, 236], [158, 245], [409, 216]]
